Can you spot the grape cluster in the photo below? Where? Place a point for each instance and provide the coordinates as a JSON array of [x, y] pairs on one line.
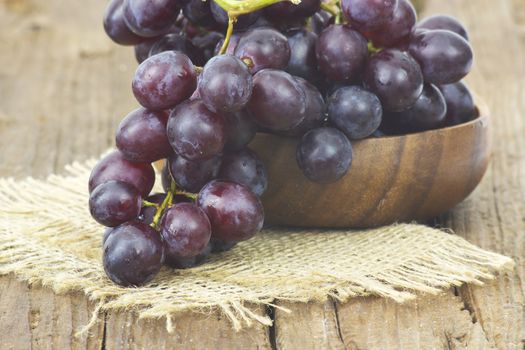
[[328, 73]]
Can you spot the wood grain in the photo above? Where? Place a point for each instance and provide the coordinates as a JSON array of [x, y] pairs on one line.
[[63, 89]]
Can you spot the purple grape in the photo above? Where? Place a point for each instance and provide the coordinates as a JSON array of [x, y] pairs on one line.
[[460, 103], [186, 263], [286, 11], [147, 213], [320, 21], [324, 155], [235, 213], [315, 109], [444, 23], [341, 53], [195, 132], [114, 203], [262, 48], [445, 57], [165, 177], [192, 175], [366, 14], [178, 42], [230, 50], [355, 111], [218, 246], [114, 167], [150, 18], [207, 43], [245, 168], [107, 233], [133, 254], [397, 29], [186, 232], [427, 113], [164, 80], [199, 13], [142, 50], [243, 21], [225, 84], [278, 102], [240, 130], [115, 26], [303, 60], [395, 77], [141, 136]]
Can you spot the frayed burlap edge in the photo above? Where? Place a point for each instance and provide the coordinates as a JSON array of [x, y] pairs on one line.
[[47, 237]]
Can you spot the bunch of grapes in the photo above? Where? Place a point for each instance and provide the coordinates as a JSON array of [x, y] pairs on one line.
[[213, 73]]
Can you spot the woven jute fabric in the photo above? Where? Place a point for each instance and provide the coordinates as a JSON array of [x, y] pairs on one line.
[[48, 237]]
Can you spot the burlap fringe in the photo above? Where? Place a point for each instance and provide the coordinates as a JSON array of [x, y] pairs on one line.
[[47, 237]]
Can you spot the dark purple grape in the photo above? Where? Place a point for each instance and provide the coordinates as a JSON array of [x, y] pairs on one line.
[[218, 246], [178, 42], [107, 233], [245, 168], [427, 113], [315, 109], [397, 29], [355, 111], [133, 254], [207, 43], [460, 103], [444, 57], [240, 130], [366, 14], [115, 26], [164, 80], [395, 77], [186, 263], [225, 84], [114, 167], [235, 213], [142, 50], [324, 155], [262, 48], [165, 177], [303, 61], [286, 11], [150, 18], [186, 232], [114, 202], [195, 132], [278, 102], [243, 21], [199, 13], [141, 136], [148, 213], [192, 175], [444, 23], [341, 53], [320, 21]]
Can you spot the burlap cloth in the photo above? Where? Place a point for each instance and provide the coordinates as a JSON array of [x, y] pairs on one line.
[[48, 237]]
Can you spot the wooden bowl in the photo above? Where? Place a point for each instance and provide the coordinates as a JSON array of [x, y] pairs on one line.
[[392, 179]]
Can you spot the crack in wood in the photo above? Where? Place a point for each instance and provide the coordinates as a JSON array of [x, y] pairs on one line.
[[272, 329], [338, 324]]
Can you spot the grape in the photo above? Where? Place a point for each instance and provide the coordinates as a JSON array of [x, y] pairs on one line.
[[165, 177], [114, 167], [460, 103], [395, 77], [164, 80], [142, 50], [115, 26], [195, 132], [324, 155], [246, 168], [192, 175], [240, 130], [341, 53], [397, 29], [147, 213], [199, 12], [355, 111], [114, 202], [263, 48], [186, 232], [207, 43], [303, 61], [177, 42], [315, 109], [186, 263], [133, 254], [149, 18], [427, 113], [444, 23], [278, 102], [235, 213], [320, 21], [366, 14], [141, 136], [445, 57], [243, 21], [286, 11], [225, 84], [218, 246], [107, 233], [230, 49]]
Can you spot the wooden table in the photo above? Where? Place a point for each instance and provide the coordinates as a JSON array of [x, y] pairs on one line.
[[63, 89]]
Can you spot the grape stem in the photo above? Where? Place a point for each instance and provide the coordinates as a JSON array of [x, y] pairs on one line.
[[190, 195], [145, 203], [165, 204], [231, 22], [326, 7], [234, 8]]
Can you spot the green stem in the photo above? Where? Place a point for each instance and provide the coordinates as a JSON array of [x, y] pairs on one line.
[[329, 9], [145, 203], [190, 195], [165, 204], [229, 32], [240, 7]]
